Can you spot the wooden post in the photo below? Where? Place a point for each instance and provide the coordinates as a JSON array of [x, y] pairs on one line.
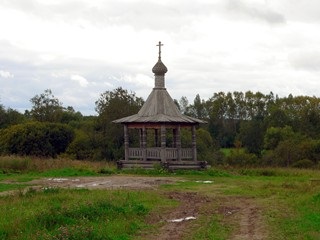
[[140, 137], [194, 143], [144, 143], [163, 143], [126, 142], [174, 140], [156, 132], [178, 143]]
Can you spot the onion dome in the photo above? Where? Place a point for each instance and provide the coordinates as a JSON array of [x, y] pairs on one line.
[[159, 69]]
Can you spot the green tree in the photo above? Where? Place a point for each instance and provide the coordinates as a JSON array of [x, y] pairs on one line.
[[2, 117], [184, 105], [198, 108], [46, 107], [110, 106], [10, 117], [36, 138], [206, 146], [69, 115], [274, 135], [251, 135], [288, 152]]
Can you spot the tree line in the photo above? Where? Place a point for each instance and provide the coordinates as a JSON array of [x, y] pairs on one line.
[[261, 129]]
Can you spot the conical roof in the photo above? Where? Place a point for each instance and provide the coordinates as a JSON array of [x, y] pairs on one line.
[[159, 106]]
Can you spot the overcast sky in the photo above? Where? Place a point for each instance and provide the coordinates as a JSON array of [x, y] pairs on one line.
[[81, 48]]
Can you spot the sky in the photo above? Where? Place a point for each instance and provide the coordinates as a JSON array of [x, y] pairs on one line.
[[82, 48]]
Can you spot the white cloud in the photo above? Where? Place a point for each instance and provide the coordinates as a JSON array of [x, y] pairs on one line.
[[80, 80], [255, 9], [307, 60], [6, 74], [209, 46]]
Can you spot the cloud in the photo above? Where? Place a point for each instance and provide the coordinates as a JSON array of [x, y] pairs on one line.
[[306, 60], [80, 80], [257, 11], [6, 74], [140, 14]]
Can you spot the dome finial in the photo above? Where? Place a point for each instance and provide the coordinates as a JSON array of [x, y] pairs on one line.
[[159, 45], [159, 69]]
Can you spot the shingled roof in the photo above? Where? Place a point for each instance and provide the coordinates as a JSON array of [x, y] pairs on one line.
[[159, 106]]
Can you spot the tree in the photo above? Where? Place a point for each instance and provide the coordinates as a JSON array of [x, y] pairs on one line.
[[35, 138], [69, 114], [198, 108], [183, 105], [274, 135], [110, 106], [206, 146], [251, 135], [46, 108], [10, 117], [2, 116]]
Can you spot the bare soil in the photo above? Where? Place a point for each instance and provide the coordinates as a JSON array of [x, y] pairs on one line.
[[245, 217], [178, 223], [242, 214]]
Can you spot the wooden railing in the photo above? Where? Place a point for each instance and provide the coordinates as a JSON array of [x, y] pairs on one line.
[[155, 153], [186, 153], [135, 153], [171, 153]]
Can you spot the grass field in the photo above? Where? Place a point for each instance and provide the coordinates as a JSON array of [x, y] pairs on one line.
[[286, 201]]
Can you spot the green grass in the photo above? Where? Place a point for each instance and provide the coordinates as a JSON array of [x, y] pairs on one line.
[[68, 172], [8, 187], [211, 230], [227, 151], [63, 172], [76, 214], [290, 204]]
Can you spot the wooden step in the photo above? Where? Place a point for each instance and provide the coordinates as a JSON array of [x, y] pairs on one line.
[[170, 165]]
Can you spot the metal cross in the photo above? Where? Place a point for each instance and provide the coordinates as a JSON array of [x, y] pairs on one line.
[[159, 45]]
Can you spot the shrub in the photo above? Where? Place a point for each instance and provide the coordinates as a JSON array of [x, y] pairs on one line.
[[241, 158], [36, 139], [16, 164], [304, 163], [82, 147]]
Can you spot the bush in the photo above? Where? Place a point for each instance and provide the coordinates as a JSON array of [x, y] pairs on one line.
[[241, 158], [82, 147], [206, 146], [36, 139], [15, 164], [304, 163]]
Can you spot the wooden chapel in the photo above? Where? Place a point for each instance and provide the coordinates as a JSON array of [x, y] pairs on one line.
[[160, 114]]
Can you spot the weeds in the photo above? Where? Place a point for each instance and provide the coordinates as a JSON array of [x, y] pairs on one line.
[[75, 214]]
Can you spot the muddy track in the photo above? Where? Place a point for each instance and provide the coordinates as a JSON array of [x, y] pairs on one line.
[[242, 214], [246, 218], [177, 223]]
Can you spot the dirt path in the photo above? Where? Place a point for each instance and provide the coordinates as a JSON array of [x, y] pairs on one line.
[[245, 216], [176, 224], [241, 213], [110, 182]]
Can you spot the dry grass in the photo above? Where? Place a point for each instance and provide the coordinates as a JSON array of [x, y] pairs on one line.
[[34, 164]]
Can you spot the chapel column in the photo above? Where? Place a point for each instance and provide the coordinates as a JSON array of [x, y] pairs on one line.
[[156, 133], [126, 142], [178, 143], [163, 143], [194, 143], [144, 143]]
